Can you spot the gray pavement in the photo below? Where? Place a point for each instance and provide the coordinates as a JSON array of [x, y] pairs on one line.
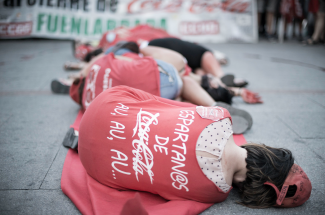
[[33, 121]]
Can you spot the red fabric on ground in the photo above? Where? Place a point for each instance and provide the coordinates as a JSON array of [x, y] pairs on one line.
[[239, 139], [144, 32], [91, 197]]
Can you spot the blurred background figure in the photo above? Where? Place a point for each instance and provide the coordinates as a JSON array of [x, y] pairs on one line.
[[292, 12], [317, 9], [267, 7], [303, 20]]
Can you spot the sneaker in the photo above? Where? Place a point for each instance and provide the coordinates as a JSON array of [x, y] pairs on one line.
[[60, 87], [241, 119], [71, 139]]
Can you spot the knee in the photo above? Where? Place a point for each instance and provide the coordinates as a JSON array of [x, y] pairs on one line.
[[207, 58], [188, 81]]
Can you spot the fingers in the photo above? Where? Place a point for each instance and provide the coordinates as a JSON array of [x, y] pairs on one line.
[[251, 97]]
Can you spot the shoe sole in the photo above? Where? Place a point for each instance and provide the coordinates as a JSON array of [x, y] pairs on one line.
[[239, 124], [58, 87], [228, 80], [237, 112], [70, 140]]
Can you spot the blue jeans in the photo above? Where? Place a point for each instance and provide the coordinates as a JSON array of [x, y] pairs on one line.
[[170, 82], [121, 51]]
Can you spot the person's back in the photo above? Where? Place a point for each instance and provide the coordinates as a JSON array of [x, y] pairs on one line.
[[109, 71]]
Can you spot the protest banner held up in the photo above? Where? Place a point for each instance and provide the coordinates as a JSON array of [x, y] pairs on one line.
[[193, 20]]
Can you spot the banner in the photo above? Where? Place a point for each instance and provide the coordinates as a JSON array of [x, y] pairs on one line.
[[194, 20]]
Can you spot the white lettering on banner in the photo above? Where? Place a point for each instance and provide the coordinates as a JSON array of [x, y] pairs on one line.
[[160, 145], [106, 80], [179, 176], [143, 158], [121, 108], [199, 28], [121, 157], [91, 84], [197, 21], [118, 126], [16, 29]]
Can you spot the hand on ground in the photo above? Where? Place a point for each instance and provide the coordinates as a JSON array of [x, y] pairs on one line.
[[250, 97]]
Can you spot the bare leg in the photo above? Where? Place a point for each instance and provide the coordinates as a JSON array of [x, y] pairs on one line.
[[74, 65], [194, 93], [167, 55], [269, 20], [191, 91], [210, 65], [285, 20], [199, 72], [319, 26]]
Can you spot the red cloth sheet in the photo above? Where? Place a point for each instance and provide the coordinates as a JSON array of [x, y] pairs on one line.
[[143, 32], [91, 197]]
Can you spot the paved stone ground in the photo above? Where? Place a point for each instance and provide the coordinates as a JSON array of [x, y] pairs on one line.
[[33, 121]]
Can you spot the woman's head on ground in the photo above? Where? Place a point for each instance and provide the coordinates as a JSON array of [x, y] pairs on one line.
[[269, 171], [132, 46]]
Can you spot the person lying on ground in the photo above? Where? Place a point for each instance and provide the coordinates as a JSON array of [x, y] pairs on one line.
[[132, 140], [212, 85], [201, 60], [160, 74], [85, 51]]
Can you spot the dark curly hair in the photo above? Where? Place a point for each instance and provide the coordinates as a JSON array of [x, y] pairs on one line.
[[264, 164]]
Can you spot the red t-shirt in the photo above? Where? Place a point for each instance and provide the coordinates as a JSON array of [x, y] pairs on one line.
[[144, 32], [130, 139], [141, 73]]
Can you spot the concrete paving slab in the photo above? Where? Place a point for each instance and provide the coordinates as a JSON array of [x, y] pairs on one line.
[[319, 99], [53, 177], [265, 50], [275, 103], [24, 166], [309, 127], [274, 128], [31, 137], [32, 118], [35, 202], [4, 117], [317, 146]]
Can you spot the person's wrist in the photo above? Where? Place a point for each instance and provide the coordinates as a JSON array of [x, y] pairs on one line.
[[240, 91]]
